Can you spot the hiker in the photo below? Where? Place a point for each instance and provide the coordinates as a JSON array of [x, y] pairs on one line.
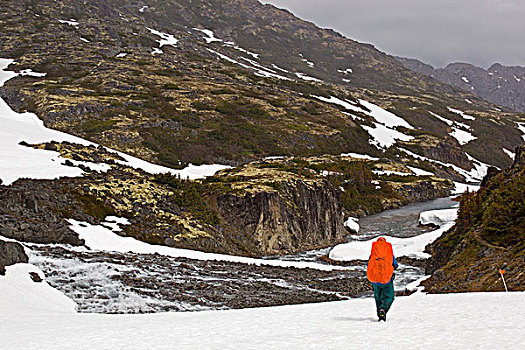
[[380, 271]]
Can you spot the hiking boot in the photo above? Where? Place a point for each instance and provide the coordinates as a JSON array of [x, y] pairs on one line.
[[382, 315]]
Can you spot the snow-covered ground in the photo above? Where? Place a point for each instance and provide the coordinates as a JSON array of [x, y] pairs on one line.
[[412, 247], [104, 238], [438, 217], [476, 174], [461, 113], [384, 133], [420, 321], [352, 224]]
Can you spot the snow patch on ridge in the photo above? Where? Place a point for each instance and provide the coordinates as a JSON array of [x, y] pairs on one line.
[[462, 114], [521, 127], [511, 155], [165, 38], [383, 134], [476, 174]]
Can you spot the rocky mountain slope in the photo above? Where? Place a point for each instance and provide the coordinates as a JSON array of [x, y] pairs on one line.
[[502, 85], [489, 235], [232, 82], [226, 81]]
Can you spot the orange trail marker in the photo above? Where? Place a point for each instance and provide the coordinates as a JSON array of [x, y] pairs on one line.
[[501, 272]]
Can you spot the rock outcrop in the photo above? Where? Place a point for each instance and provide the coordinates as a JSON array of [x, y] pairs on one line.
[[297, 217], [11, 253], [29, 214]]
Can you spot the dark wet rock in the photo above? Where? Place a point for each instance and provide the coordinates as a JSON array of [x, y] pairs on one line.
[[35, 277], [162, 283], [11, 253]]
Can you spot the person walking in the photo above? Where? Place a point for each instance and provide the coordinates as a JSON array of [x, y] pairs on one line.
[[380, 271]]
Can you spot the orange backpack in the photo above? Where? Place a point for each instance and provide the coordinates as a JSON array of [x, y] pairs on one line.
[[380, 268]]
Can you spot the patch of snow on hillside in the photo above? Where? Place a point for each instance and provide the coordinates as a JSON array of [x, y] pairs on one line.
[[346, 71], [383, 134], [257, 71], [385, 117], [521, 127], [420, 172], [438, 217], [306, 77], [462, 136], [468, 101], [226, 58], [444, 120], [21, 296], [165, 38], [309, 63], [143, 8], [511, 155], [462, 114], [279, 68], [465, 79], [384, 137], [71, 22], [99, 237], [122, 54], [359, 156], [390, 172], [346, 104], [84, 40], [156, 51], [476, 174], [210, 36], [238, 48]]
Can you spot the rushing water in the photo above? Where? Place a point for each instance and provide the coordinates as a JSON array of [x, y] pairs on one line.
[[401, 222]]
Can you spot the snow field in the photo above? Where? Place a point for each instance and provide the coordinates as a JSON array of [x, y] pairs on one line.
[[20, 296], [453, 321], [438, 217], [383, 134], [103, 237]]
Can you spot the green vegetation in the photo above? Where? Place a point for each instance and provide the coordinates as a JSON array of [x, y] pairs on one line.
[[497, 211], [95, 207], [191, 196], [97, 126]]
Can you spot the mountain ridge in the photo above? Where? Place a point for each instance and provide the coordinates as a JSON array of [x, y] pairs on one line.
[[498, 84]]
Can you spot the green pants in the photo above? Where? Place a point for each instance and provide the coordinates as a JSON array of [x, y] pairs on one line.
[[384, 295]]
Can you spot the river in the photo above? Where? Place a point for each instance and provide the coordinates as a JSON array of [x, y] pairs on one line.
[[401, 222]]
